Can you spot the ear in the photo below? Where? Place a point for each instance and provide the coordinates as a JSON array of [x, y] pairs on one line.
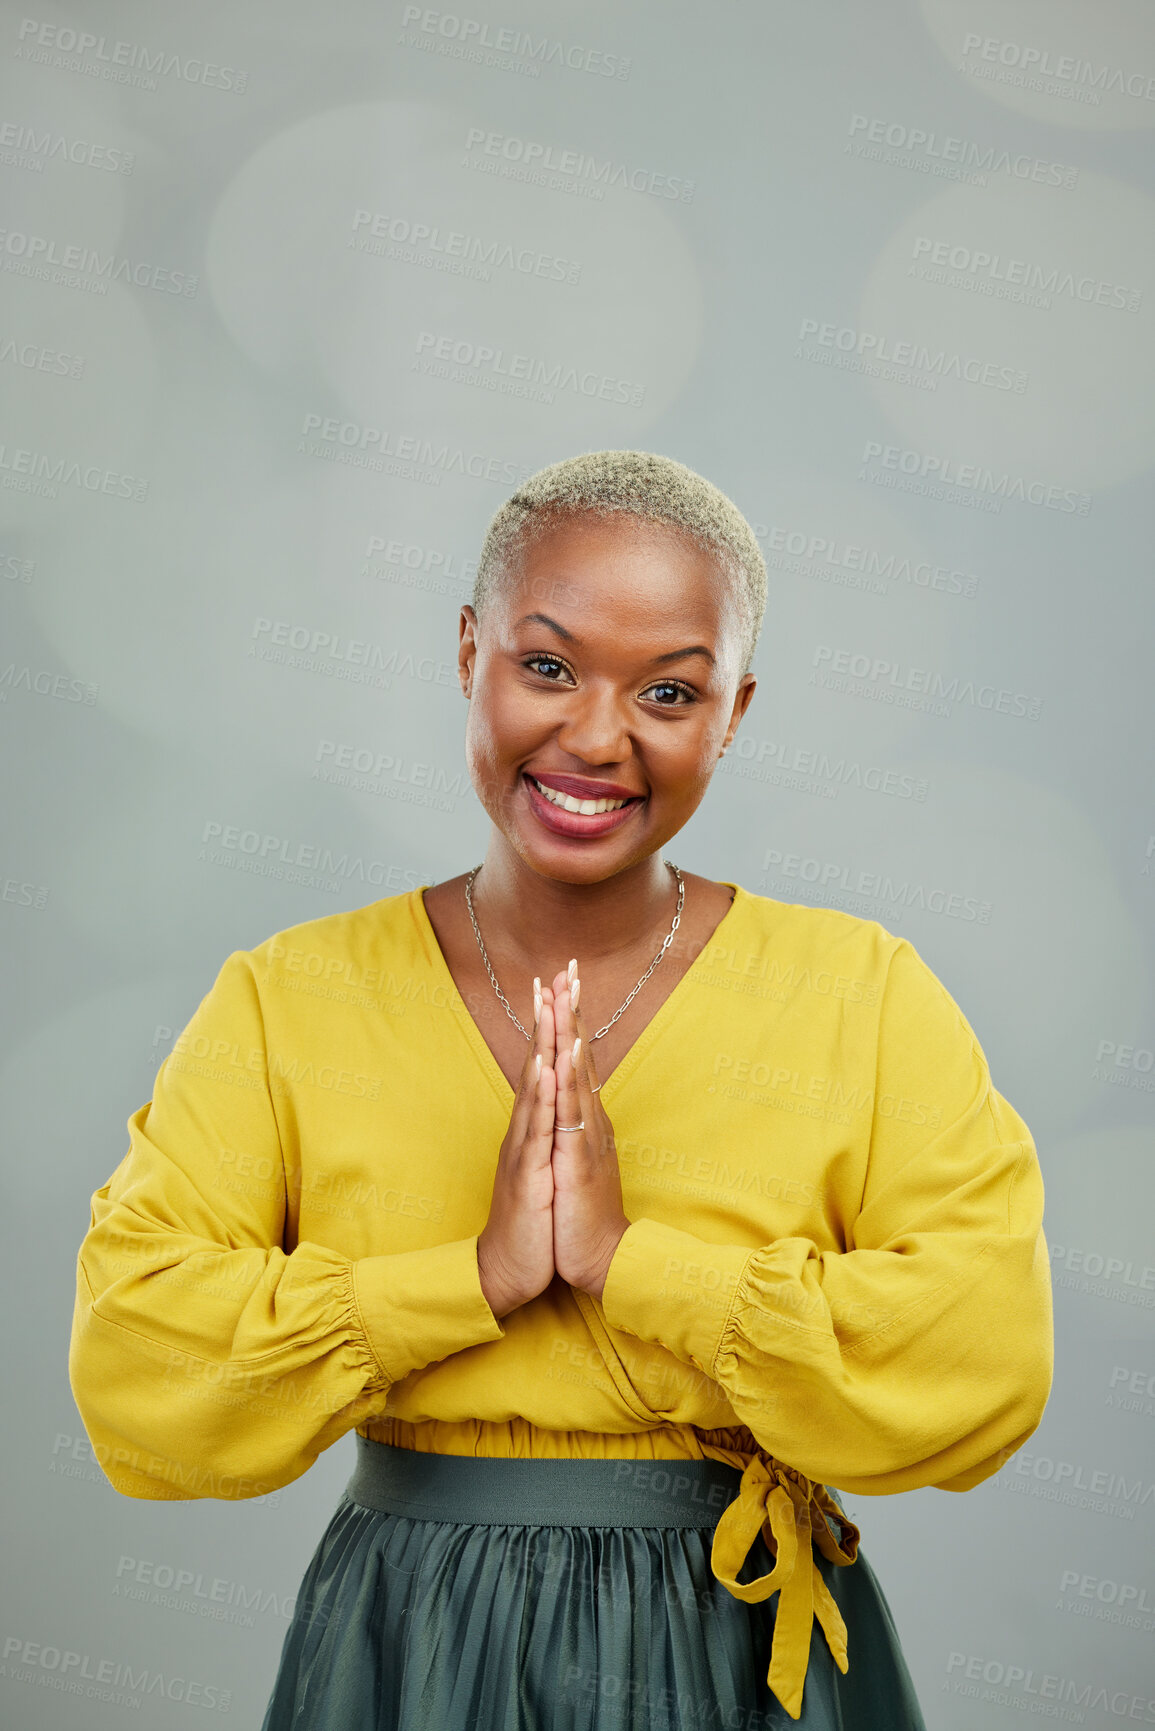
[[741, 703], [467, 629]]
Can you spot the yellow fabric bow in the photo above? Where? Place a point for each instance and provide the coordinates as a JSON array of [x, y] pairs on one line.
[[792, 1511]]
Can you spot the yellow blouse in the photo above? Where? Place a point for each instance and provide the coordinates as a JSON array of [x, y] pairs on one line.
[[835, 1272]]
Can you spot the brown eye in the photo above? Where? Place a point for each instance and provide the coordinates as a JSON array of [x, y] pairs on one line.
[[536, 661], [676, 686]]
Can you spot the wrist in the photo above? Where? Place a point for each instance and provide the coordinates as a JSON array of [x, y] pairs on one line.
[[595, 1286], [496, 1292]]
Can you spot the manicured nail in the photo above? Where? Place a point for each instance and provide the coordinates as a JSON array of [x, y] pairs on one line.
[[571, 970], [537, 986], [537, 1067], [575, 993], [576, 1048], [536, 1008]]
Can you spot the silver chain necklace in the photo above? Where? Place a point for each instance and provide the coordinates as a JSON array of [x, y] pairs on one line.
[[669, 938]]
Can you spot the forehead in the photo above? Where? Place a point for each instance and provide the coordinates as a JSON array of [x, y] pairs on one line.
[[620, 567]]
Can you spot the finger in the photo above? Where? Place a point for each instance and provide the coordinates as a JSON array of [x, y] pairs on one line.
[[545, 1028], [570, 1028], [568, 1110], [564, 1030], [589, 1068], [542, 1045], [538, 1142], [585, 1101]]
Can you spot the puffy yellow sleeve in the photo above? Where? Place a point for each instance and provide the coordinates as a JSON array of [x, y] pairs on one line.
[[921, 1354], [205, 1359]]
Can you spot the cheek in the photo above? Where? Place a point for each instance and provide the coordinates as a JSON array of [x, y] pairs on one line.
[[479, 747], [685, 762], [503, 721], [496, 736]]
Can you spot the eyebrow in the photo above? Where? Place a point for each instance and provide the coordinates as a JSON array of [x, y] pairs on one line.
[[657, 661]]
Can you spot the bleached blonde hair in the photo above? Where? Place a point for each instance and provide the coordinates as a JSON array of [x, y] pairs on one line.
[[657, 489]]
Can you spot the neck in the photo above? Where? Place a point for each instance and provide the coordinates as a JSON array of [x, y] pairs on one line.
[[541, 922]]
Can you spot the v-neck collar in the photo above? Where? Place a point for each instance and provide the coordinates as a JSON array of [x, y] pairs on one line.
[[627, 1064]]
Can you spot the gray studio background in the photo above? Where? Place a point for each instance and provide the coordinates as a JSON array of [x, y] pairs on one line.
[[887, 275]]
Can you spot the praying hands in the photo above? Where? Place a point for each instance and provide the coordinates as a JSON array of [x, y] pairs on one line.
[[557, 1193]]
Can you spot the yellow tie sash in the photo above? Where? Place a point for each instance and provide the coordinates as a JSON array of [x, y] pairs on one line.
[[791, 1511]]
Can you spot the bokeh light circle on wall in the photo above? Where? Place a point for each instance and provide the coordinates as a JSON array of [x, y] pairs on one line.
[[1062, 61], [364, 243], [1030, 312]]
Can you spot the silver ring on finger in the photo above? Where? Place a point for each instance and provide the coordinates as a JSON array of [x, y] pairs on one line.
[[596, 1090], [580, 1126]]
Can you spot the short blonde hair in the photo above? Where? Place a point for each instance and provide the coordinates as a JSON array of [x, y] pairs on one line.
[[657, 489]]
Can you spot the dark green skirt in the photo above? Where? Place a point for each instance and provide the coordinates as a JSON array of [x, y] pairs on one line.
[[457, 1593]]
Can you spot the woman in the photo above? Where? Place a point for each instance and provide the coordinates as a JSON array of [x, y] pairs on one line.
[[618, 1210]]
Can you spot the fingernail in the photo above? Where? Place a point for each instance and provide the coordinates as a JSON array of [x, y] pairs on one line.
[[537, 1066], [572, 969], [575, 993], [536, 1008], [576, 1046], [537, 986]]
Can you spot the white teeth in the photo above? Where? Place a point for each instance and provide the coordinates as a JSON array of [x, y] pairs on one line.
[[587, 807]]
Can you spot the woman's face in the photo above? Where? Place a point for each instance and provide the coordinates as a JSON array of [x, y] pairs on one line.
[[606, 667]]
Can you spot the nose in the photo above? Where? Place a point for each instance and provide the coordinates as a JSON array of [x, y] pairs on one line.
[[595, 727]]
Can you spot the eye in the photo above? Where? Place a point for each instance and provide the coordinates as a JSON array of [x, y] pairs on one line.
[[674, 685], [536, 661]]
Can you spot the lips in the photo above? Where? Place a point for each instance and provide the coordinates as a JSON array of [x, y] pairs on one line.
[[571, 802], [579, 825], [584, 787]]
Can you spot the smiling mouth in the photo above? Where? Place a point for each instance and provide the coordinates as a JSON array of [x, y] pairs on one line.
[[584, 807]]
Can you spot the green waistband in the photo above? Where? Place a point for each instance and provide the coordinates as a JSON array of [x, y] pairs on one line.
[[482, 1490]]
